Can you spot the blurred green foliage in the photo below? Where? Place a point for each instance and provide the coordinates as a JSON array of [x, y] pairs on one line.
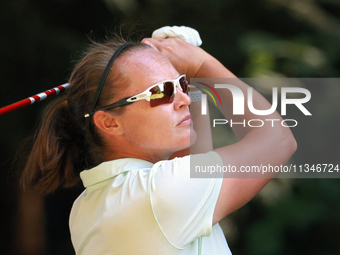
[[40, 40]]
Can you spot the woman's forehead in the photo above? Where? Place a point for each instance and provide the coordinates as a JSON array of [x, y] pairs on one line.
[[149, 64], [149, 57]]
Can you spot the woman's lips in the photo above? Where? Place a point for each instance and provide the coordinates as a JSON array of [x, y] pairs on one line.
[[185, 121]]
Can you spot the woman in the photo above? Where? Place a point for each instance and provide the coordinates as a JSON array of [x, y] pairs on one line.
[[125, 114]]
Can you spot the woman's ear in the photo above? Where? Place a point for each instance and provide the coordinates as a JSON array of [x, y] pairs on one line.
[[108, 123]]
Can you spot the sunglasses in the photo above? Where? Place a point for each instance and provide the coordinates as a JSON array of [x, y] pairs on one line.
[[158, 94]]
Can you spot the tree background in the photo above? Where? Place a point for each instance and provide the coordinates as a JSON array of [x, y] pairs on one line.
[[41, 40]]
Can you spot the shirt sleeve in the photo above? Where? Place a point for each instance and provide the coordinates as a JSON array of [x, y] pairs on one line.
[[183, 207]]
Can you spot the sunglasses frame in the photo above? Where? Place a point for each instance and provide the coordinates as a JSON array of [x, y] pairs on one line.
[[145, 95]]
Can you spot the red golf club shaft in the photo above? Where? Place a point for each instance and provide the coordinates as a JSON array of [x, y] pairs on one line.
[[33, 99]]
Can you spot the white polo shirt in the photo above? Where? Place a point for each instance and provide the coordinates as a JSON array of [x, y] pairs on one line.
[[131, 206]]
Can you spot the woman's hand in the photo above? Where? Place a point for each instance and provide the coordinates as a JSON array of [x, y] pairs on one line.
[[186, 58]]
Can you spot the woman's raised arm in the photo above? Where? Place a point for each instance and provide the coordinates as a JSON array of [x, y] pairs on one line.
[[270, 144]]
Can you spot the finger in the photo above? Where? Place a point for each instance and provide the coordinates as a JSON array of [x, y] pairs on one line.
[[148, 42], [153, 41], [165, 45]]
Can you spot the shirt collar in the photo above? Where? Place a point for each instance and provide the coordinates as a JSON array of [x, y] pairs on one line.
[[111, 169]]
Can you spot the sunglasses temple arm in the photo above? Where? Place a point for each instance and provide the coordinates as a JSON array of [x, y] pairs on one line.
[[33, 99], [120, 103]]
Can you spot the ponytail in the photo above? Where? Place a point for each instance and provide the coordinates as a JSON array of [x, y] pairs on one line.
[[59, 152]]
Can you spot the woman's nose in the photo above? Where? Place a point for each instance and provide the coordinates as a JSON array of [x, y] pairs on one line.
[[181, 99]]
